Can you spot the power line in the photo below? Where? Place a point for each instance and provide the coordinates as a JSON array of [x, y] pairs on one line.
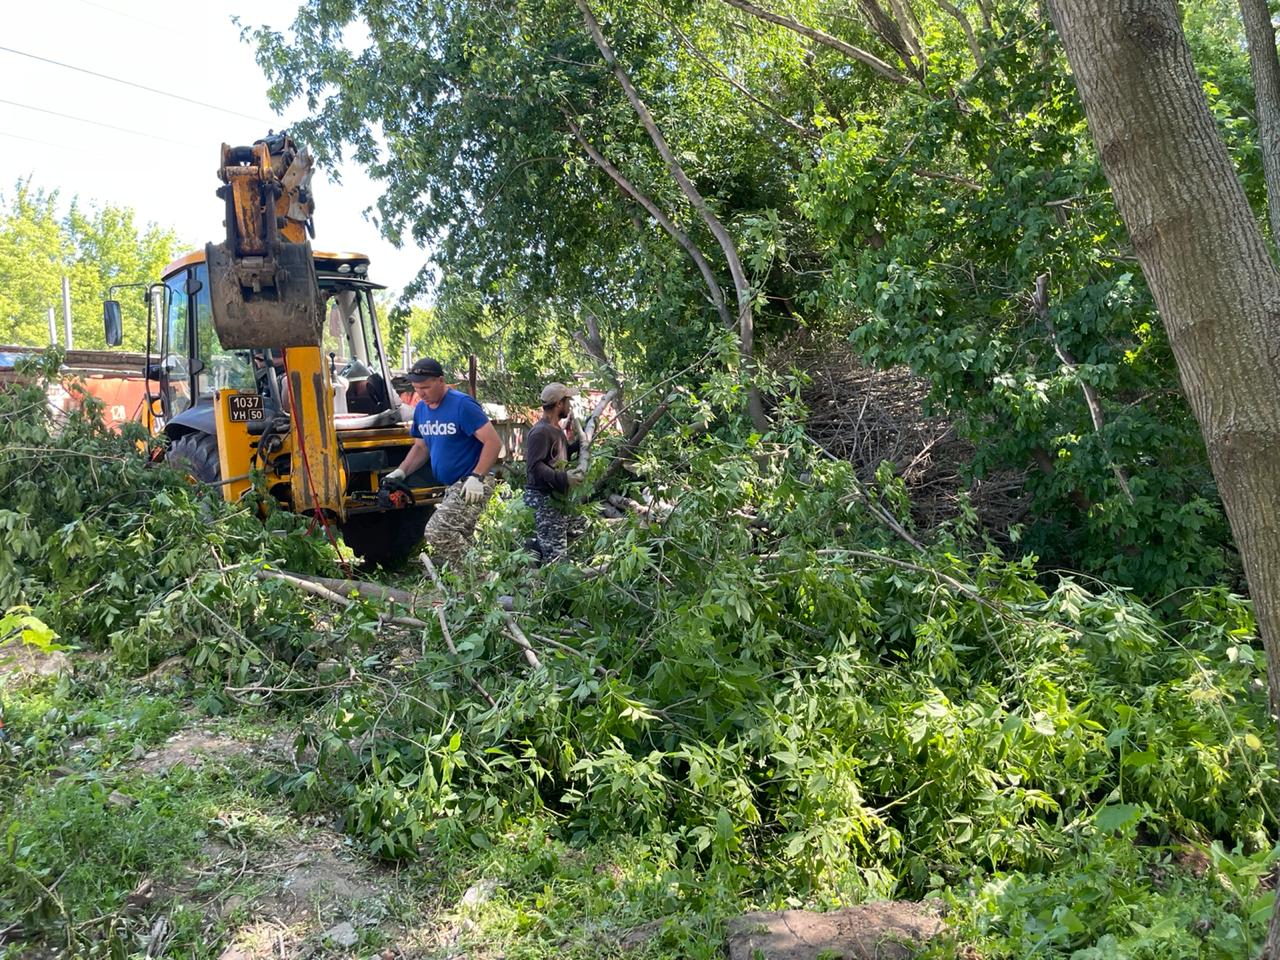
[[130, 83], [98, 123]]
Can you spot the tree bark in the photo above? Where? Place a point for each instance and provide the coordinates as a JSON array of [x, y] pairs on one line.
[[667, 224], [1265, 66], [713, 291], [1205, 259], [895, 33], [746, 322]]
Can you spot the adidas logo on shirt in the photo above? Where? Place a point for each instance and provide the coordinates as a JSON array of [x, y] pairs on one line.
[[434, 429]]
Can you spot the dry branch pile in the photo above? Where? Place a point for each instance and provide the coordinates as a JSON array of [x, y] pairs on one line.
[[869, 416]]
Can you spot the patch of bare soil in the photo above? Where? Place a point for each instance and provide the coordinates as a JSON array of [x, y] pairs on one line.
[[315, 898], [890, 930], [307, 896], [20, 663], [195, 747]]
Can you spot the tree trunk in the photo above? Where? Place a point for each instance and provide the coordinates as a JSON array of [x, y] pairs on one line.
[[1205, 260], [592, 344], [1265, 66]]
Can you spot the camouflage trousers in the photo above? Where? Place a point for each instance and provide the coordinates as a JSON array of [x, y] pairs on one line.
[[453, 523], [552, 526]]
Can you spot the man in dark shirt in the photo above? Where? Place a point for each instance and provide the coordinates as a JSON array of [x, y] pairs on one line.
[[547, 449]]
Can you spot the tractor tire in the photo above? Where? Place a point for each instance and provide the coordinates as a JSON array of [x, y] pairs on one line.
[[197, 454], [386, 539]]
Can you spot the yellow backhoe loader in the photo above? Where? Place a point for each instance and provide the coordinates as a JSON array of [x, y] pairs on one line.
[[270, 358]]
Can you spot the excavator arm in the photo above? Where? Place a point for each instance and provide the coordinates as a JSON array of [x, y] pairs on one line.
[[263, 288]]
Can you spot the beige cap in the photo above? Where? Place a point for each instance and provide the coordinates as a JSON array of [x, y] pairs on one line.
[[555, 392]]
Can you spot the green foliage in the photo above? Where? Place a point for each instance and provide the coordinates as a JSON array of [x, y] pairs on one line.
[[1121, 900], [69, 853], [795, 703], [758, 684], [941, 216], [915, 219], [95, 247], [111, 549]]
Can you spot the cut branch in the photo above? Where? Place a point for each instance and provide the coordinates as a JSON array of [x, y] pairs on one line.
[[628, 449], [589, 428], [444, 627], [592, 344], [521, 641], [309, 585]]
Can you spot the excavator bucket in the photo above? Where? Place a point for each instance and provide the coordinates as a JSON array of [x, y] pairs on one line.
[[271, 300]]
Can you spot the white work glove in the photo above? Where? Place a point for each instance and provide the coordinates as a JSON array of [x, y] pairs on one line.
[[576, 476], [473, 490], [396, 474]]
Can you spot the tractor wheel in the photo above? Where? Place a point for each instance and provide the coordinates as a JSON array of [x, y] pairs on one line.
[[386, 539], [197, 454]]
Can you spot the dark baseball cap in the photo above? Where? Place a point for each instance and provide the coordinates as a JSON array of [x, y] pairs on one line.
[[424, 369]]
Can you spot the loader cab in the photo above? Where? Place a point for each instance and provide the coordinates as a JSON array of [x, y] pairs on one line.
[[193, 365]]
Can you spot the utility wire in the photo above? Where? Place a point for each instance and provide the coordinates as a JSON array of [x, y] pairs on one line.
[[98, 123], [130, 83]]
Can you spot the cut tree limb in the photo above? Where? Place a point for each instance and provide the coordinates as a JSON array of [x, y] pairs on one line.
[[311, 586], [589, 428], [444, 628], [633, 442], [320, 587], [513, 628], [592, 344], [521, 641]]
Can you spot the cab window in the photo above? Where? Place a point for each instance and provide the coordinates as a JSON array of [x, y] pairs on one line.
[[223, 369], [177, 339]]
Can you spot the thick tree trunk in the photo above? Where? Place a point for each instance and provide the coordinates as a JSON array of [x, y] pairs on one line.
[[1205, 259], [1265, 65]]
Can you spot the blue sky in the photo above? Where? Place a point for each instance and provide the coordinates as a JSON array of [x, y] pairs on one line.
[[163, 162]]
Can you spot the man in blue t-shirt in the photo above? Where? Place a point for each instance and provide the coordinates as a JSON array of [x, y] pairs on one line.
[[451, 428]]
